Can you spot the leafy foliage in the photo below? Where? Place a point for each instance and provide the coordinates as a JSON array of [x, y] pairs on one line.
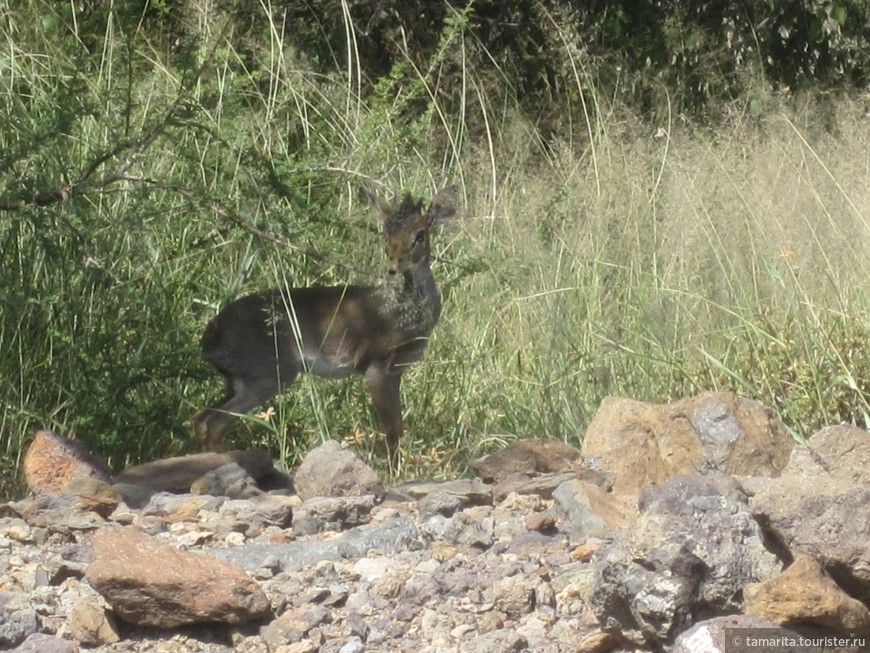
[[703, 54]]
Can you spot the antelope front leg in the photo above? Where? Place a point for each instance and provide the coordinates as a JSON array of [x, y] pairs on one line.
[[384, 389]]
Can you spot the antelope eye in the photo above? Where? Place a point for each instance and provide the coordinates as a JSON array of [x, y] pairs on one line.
[[419, 237]]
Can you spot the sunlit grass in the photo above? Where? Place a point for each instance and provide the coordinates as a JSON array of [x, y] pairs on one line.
[[608, 256]]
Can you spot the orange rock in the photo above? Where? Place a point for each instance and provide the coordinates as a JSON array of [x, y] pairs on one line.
[[805, 594], [52, 461], [644, 443]]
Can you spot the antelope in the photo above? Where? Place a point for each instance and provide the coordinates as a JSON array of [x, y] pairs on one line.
[[260, 343]]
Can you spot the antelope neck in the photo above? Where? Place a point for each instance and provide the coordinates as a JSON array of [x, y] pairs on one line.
[[421, 282]]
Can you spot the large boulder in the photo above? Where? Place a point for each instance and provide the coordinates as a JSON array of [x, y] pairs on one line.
[[714, 432], [687, 557], [820, 505]]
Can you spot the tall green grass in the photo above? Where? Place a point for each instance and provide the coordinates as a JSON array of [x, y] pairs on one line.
[[601, 255]]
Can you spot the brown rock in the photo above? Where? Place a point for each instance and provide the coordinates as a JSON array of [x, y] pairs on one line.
[[585, 551], [94, 495], [648, 443], [150, 583], [90, 624], [177, 474], [173, 508], [536, 455], [540, 521], [294, 625], [444, 551], [305, 646], [805, 594], [501, 640], [469, 491], [52, 461], [597, 642], [820, 505]]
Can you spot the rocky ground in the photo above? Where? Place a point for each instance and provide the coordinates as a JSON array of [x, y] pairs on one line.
[[673, 525]]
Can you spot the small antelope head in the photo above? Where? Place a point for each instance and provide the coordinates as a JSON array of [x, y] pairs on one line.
[[407, 227]]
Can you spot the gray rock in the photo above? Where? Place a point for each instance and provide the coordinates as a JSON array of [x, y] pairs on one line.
[[72, 563], [69, 511], [17, 618], [387, 538], [504, 640], [229, 480], [461, 530], [426, 570], [135, 496], [354, 645], [332, 514], [820, 505], [589, 511], [690, 553], [258, 513], [718, 635], [42, 643], [332, 471], [439, 503]]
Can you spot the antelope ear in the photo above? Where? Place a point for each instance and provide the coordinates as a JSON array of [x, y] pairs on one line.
[[382, 208], [443, 206]]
